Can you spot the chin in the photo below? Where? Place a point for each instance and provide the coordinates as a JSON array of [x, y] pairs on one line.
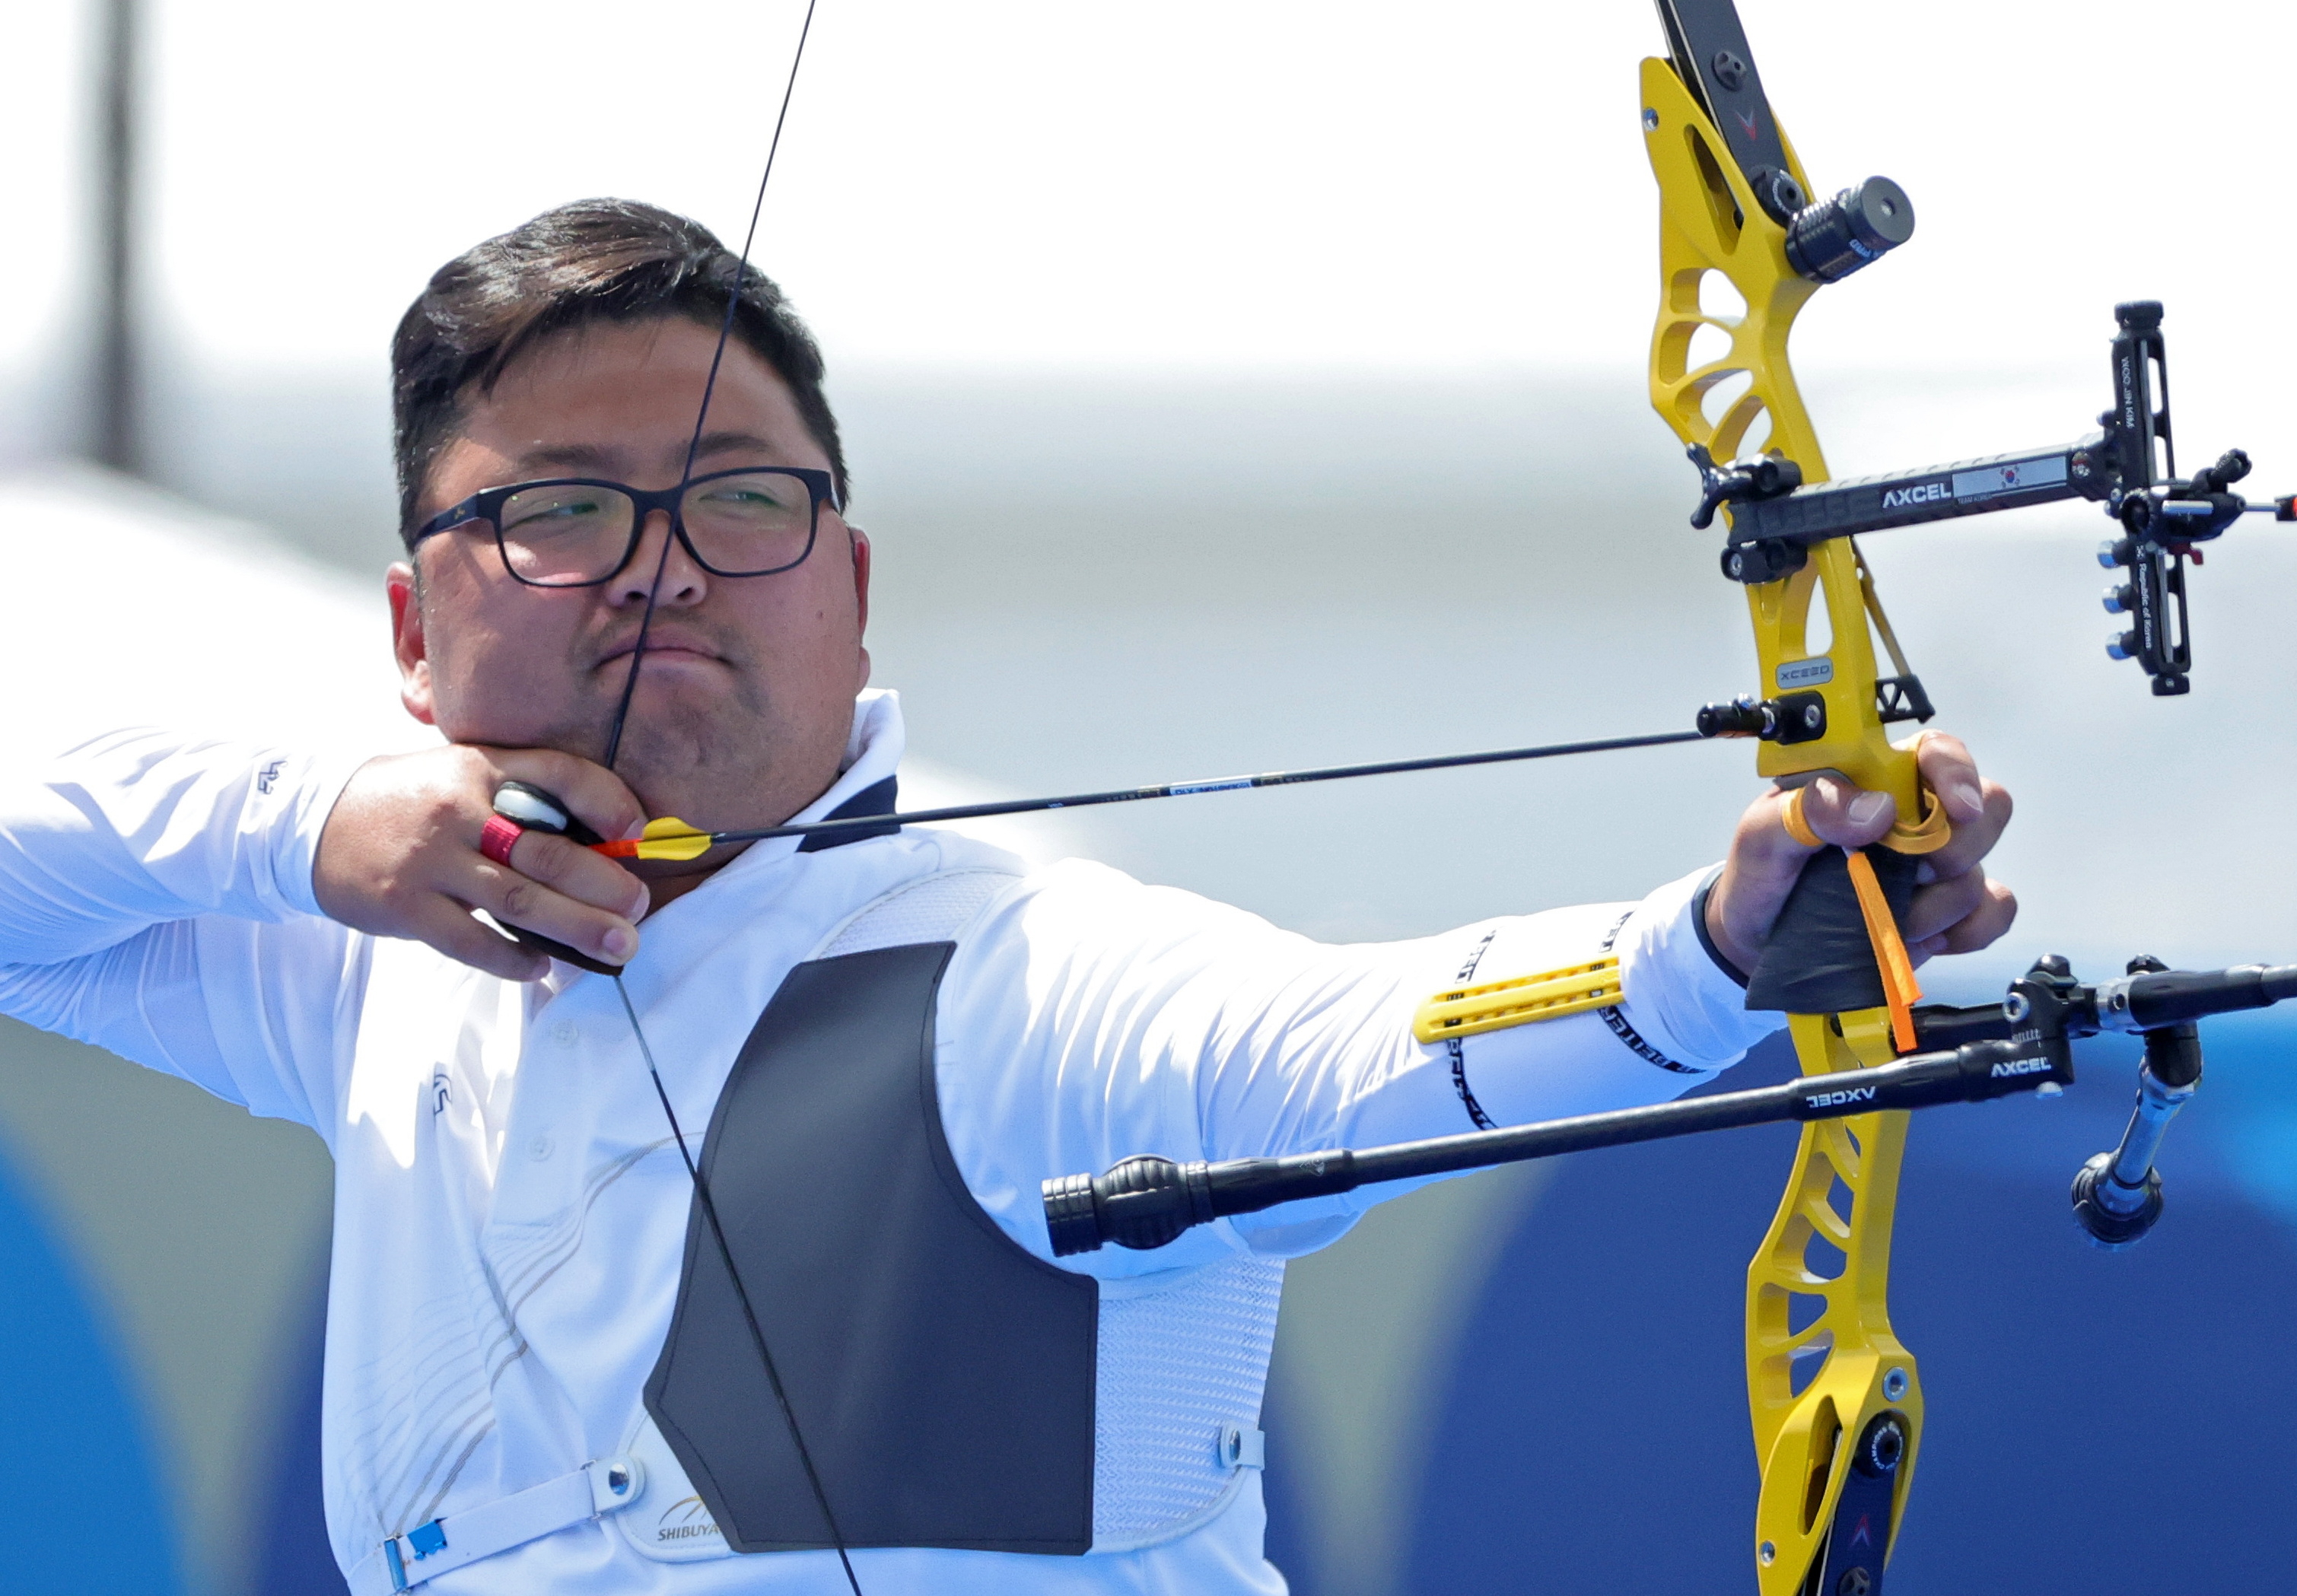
[[727, 748]]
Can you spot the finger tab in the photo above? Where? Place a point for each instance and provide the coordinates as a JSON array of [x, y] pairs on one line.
[[535, 810]]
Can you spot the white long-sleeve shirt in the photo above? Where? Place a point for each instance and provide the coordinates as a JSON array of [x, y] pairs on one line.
[[510, 1212]]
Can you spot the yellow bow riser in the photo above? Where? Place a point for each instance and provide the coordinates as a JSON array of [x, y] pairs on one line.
[[1817, 1290], [1818, 1293], [1710, 222]]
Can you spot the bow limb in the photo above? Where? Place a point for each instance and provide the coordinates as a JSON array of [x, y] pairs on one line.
[[1828, 1382]]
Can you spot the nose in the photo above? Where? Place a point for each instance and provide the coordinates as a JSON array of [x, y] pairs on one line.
[[683, 583]]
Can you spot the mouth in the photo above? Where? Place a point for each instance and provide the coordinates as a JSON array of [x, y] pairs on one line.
[[666, 647]]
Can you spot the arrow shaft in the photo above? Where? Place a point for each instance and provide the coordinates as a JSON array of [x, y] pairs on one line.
[[1190, 789]]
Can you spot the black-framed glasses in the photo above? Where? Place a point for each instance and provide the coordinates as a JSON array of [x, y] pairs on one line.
[[580, 531]]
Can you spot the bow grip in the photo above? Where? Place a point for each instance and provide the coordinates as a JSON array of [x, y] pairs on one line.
[[1820, 958]]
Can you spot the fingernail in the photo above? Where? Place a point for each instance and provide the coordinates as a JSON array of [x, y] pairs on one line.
[[619, 944], [1924, 874], [1963, 800], [1868, 808]]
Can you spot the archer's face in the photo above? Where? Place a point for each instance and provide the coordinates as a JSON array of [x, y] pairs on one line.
[[746, 696]]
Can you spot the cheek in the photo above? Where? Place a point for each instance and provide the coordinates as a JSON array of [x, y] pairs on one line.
[[809, 623], [498, 665]]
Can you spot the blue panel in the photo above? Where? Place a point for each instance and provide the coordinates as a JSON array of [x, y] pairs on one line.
[[86, 1512], [297, 1560], [1287, 1542], [2096, 1422]]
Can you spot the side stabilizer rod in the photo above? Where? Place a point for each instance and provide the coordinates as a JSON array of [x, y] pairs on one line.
[[1146, 1201], [2022, 1044], [2116, 1195]]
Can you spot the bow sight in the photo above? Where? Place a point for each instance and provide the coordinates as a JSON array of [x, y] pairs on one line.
[[2130, 466]]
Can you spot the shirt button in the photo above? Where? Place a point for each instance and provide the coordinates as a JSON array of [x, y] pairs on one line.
[[565, 1034], [540, 1149]]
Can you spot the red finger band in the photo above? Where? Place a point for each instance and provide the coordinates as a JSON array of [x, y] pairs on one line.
[[499, 837]]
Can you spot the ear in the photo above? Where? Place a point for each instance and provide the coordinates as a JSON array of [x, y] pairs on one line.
[[407, 643], [860, 598]]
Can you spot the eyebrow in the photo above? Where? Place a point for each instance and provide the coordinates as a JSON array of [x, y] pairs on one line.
[[593, 458], [563, 457], [719, 443]]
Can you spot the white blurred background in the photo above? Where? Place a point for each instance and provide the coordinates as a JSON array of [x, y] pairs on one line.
[[1233, 385], [1239, 385]]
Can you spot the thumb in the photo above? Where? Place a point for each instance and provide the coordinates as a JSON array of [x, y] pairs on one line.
[[1846, 816]]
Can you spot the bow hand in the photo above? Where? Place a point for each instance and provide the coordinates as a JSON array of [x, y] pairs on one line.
[[1956, 906]]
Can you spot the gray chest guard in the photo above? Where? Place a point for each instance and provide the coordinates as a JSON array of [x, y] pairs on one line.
[[943, 1378]]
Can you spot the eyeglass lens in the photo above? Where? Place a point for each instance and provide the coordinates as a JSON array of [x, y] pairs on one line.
[[567, 534]]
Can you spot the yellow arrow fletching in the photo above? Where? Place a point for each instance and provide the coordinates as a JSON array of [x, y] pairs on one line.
[[669, 838], [665, 838]]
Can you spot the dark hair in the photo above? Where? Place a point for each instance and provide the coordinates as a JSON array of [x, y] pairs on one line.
[[593, 260]]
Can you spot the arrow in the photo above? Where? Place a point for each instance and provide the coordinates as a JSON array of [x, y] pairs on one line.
[[668, 838]]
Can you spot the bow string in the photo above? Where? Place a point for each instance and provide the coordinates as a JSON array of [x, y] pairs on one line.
[[704, 1205]]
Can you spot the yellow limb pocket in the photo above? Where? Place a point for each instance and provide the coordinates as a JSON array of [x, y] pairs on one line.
[[1495, 1005]]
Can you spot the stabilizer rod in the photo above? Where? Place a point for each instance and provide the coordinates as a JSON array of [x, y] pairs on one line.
[[2152, 995], [1146, 1201], [2021, 1044]]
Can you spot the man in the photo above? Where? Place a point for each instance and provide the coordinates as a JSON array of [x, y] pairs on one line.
[[560, 1358]]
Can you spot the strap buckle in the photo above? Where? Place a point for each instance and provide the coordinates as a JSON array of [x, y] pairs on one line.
[[423, 1540], [1242, 1448], [615, 1483], [610, 1485]]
